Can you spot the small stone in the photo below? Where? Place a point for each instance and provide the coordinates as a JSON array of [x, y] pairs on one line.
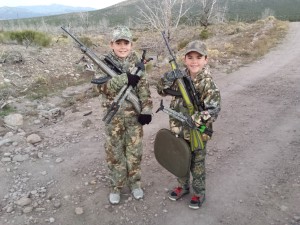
[[23, 201], [59, 160], [28, 209], [283, 208], [57, 204], [6, 159], [297, 218], [33, 138], [9, 209], [78, 211], [44, 173]]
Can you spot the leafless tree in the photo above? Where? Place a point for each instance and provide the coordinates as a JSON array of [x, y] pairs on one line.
[[84, 17], [163, 14], [207, 10]]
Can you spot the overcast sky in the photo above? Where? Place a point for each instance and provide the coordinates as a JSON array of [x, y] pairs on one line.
[[97, 4]]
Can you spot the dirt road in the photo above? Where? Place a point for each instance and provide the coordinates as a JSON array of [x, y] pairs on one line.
[[253, 171]]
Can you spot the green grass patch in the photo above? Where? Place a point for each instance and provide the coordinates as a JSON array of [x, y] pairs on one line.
[[30, 37], [6, 110]]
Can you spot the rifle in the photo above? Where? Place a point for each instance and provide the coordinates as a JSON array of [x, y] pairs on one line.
[[109, 68], [195, 135], [123, 93], [185, 119]]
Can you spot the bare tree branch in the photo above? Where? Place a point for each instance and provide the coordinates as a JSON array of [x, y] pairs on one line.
[[163, 14]]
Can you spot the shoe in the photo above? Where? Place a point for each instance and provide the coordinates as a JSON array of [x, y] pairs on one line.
[[114, 198], [177, 193], [196, 201], [138, 193]]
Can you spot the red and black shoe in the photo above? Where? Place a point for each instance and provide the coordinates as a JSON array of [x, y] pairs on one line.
[[177, 193], [197, 201]]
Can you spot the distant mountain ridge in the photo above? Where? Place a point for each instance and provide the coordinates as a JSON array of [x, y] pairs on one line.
[[20, 12]]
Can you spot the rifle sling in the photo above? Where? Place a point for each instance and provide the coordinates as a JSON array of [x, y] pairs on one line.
[[172, 92], [101, 80], [112, 65]]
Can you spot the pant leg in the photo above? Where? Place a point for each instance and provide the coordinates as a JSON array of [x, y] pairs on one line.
[[133, 151], [115, 153], [184, 182], [198, 171]]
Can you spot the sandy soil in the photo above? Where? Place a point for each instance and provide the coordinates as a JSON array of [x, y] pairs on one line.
[[253, 171]]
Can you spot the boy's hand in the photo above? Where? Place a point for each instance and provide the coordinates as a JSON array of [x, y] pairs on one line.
[[144, 119], [173, 75], [140, 66], [133, 80], [200, 118]]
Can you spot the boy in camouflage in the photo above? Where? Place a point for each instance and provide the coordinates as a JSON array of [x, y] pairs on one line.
[[124, 133], [195, 60]]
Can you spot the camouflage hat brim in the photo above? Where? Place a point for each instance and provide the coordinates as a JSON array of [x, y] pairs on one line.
[[196, 50], [122, 38]]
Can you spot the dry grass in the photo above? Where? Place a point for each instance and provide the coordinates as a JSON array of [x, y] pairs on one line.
[[230, 46]]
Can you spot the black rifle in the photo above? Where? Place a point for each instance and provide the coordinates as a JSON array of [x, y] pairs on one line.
[[110, 73], [105, 67], [124, 94]]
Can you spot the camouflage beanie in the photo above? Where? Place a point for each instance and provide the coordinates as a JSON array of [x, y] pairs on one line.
[[121, 33], [196, 46]]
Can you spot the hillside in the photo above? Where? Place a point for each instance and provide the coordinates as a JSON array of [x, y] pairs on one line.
[[127, 13], [9, 13]]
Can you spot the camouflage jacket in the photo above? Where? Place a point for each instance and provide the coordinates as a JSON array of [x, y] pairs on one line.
[[208, 94], [111, 88]]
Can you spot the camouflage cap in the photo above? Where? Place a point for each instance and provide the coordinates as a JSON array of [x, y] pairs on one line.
[[121, 33], [196, 46]]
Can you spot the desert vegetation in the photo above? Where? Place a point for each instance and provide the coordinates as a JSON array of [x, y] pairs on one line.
[[30, 69], [38, 59]]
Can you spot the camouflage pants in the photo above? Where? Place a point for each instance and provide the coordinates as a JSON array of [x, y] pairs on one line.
[[123, 149], [197, 170]]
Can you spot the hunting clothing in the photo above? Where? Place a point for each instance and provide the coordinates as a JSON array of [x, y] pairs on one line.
[[209, 95], [124, 133]]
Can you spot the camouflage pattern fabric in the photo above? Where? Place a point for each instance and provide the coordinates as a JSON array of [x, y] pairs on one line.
[[198, 173], [196, 46], [210, 98], [124, 134], [121, 33], [123, 149]]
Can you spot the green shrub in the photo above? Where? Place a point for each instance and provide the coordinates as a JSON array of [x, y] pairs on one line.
[[42, 40], [4, 36], [6, 110], [86, 41], [29, 37], [149, 67], [204, 34], [182, 44]]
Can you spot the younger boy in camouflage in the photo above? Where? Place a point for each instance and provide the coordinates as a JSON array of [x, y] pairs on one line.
[[195, 60], [124, 133]]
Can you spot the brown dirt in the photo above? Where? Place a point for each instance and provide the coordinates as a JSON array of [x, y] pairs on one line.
[[252, 162]]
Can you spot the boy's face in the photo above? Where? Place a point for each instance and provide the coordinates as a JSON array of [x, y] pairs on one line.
[[122, 48], [195, 62]]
